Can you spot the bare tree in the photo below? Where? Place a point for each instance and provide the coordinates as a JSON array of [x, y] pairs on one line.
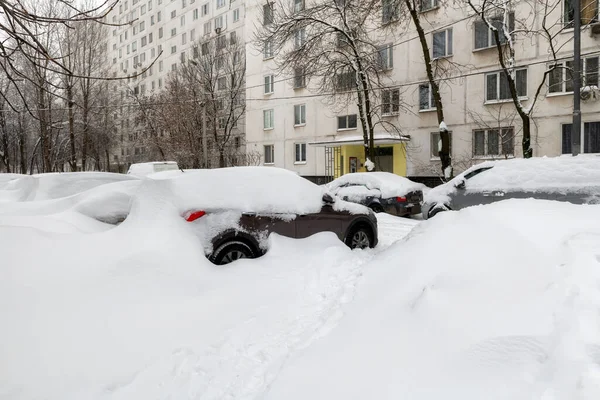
[[506, 28], [414, 7], [335, 45]]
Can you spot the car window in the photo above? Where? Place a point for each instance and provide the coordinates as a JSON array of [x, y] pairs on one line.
[[476, 172]]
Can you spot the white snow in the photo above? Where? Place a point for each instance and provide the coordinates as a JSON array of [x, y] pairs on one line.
[[492, 302], [443, 126], [377, 184], [369, 165]]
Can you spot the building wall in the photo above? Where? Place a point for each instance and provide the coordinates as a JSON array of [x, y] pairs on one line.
[[463, 93]]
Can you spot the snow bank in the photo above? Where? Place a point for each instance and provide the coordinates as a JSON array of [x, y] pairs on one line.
[[388, 184], [505, 307], [54, 185], [137, 312]]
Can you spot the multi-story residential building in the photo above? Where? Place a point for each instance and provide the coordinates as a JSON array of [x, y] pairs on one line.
[[153, 38], [316, 139]]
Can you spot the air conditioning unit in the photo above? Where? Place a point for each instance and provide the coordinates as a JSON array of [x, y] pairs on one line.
[[595, 28], [218, 31], [589, 93]]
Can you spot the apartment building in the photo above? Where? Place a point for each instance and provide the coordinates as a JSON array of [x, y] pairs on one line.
[[481, 118], [155, 36]]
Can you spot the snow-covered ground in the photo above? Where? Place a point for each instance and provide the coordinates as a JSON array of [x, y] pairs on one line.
[[495, 302]]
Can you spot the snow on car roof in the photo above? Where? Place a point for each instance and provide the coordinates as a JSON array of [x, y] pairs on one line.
[[537, 173], [250, 189], [388, 184]]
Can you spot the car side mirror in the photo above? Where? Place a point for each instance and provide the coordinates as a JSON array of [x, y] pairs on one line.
[[327, 199], [460, 184]]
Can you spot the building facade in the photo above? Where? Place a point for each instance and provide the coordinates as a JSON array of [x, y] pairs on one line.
[[294, 128], [152, 39]]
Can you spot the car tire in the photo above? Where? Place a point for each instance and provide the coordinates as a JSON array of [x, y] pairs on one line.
[[376, 207], [360, 237], [438, 208], [231, 251]]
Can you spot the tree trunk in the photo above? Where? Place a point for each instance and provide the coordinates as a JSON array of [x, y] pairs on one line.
[[444, 153], [222, 163], [85, 122], [21, 144], [5, 145], [44, 139], [73, 155]]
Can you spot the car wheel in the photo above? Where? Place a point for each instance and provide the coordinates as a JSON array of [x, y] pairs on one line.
[[360, 237], [232, 251], [438, 208], [376, 207]]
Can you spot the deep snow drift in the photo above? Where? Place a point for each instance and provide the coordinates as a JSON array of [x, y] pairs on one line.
[[495, 302]]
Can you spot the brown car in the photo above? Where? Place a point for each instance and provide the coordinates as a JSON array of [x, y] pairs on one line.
[[247, 238]]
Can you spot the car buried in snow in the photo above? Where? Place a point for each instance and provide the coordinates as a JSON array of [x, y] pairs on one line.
[[381, 192], [571, 179], [241, 206]]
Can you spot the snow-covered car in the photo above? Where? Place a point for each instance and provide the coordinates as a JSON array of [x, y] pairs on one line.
[[381, 192], [152, 167], [233, 211], [566, 178]]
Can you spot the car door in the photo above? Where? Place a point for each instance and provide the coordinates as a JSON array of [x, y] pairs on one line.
[[327, 220], [473, 190], [265, 224]]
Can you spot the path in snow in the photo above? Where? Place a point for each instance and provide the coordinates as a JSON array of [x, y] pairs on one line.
[[393, 228]]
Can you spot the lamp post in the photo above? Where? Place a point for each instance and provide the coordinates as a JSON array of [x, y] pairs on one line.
[[576, 129]]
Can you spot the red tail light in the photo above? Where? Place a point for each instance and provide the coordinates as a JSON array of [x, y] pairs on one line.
[[401, 199], [194, 215]]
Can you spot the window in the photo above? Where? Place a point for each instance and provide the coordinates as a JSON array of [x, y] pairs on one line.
[[193, 35], [436, 144], [150, 36], [135, 28], [158, 16], [142, 26], [173, 32], [298, 5], [268, 14], [589, 12], [299, 78], [173, 14], [183, 38], [269, 154], [143, 41], [221, 42], [591, 137], [134, 46], [484, 37], [560, 79], [173, 49], [195, 14], [220, 3], [269, 83], [268, 119], [160, 66], [150, 5], [232, 38], [143, 10], [300, 38], [204, 49], [346, 122], [300, 152], [160, 32], [299, 114], [222, 83], [183, 3], [207, 28], [152, 20], [385, 57], [268, 49], [182, 20], [236, 15], [345, 81], [389, 11], [219, 22], [442, 43], [497, 89], [426, 5], [221, 122], [426, 98], [493, 142], [390, 101], [204, 9]]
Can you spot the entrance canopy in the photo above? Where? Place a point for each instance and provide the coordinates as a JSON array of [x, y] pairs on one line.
[[378, 139]]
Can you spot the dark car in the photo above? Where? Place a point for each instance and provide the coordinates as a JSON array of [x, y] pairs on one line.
[[571, 179], [243, 205], [247, 239], [381, 192]]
